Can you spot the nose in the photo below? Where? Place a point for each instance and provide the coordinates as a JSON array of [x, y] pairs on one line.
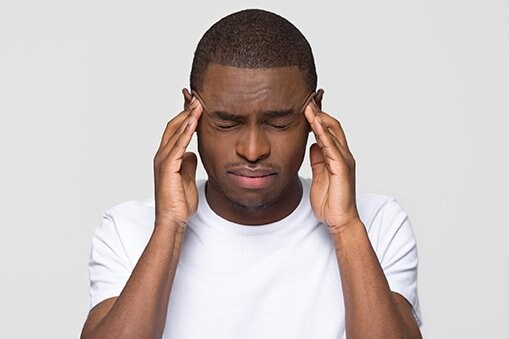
[[253, 144]]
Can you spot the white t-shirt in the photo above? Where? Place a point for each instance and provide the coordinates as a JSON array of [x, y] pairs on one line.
[[279, 280]]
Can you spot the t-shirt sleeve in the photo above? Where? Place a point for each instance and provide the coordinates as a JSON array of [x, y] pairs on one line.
[[109, 267], [395, 245]]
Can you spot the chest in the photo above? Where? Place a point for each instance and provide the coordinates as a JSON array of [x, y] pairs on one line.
[[257, 287]]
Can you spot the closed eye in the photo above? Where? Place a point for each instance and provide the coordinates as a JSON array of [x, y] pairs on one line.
[[280, 120], [226, 124], [225, 121], [281, 123], [279, 126]]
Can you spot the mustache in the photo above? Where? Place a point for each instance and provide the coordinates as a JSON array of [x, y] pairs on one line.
[[252, 166]]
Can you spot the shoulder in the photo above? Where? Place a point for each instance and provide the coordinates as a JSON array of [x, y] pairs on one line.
[[387, 223], [125, 229], [132, 213], [378, 212], [131, 218], [136, 216], [382, 214], [377, 207]]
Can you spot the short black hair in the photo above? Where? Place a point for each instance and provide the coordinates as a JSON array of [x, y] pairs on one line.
[[253, 38]]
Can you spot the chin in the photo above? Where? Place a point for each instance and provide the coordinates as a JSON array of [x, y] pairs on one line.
[[251, 200], [252, 205]]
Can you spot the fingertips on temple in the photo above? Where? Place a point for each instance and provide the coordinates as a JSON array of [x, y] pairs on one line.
[[309, 113]]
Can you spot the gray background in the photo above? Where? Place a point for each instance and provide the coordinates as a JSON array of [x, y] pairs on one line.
[[420, 87]]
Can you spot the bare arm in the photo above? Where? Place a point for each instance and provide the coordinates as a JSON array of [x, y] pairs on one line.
[[141, 308], [372, 310]]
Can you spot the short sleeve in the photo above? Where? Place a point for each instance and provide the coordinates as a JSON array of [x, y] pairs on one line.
[[396, 248], [109, 266]]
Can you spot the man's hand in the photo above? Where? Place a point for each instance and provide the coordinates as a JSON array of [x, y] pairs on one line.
[[176, 196], [141, 309], [333, 166], [367, 296]]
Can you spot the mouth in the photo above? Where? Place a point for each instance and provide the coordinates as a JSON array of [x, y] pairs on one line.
[[252, 178]]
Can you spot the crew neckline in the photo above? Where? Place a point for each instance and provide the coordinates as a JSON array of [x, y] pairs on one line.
[[213, 220]]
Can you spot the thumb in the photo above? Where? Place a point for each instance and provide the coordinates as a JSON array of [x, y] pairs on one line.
[[188, 168], [318, 165]]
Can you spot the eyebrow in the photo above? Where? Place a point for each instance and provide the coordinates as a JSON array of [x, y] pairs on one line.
[[279, 114], [227, 116]]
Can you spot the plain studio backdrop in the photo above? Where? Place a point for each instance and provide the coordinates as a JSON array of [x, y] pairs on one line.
[[86, 89]]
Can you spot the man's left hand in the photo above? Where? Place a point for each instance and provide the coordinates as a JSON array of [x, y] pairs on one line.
[[333, 166]]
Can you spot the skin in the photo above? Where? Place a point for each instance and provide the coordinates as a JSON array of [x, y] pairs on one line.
[[371, 309], [140, 310], [258, 116], [252, 142]]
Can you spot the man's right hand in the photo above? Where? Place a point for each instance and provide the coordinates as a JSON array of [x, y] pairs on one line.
[[140, 310], [176, 196]]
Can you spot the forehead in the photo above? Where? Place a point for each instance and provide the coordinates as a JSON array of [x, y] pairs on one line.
[[248, 89]]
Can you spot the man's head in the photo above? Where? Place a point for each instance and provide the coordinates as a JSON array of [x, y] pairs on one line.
[[253, 38], [254, 74]]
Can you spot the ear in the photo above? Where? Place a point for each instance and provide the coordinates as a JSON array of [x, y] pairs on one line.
[[187, 97], [318, 98]]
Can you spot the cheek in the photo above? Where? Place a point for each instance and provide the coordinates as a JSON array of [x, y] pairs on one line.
[[290, 149], [204, 149], [214, 148]]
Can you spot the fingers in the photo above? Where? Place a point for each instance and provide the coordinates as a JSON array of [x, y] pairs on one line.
[[177, 144], [324, 138], [316, 156], [329, 136], [332, 124], [188, 97], [177, 125], [189, 162], [176, 138]]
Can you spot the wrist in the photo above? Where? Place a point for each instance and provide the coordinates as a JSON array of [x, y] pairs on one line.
[[347, 232], [342, 222], [170, 225]]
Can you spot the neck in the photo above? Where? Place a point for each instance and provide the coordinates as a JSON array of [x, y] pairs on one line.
[[273, 211]]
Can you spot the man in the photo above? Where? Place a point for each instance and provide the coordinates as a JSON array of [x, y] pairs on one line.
[[254, 251]]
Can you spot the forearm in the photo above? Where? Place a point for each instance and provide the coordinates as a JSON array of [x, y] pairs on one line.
[[371, 310], [140, 310]]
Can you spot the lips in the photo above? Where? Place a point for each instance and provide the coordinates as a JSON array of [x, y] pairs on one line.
[[248, 178]]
